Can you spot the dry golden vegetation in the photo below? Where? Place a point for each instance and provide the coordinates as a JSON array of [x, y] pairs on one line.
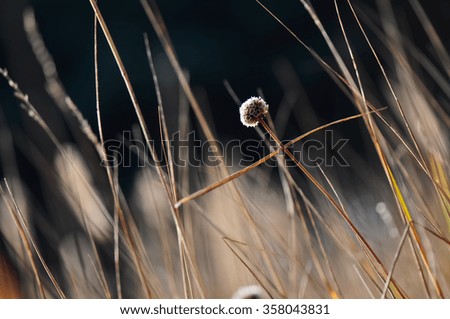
[[378, 228]]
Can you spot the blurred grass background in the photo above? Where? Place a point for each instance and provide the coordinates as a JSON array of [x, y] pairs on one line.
[[214, 40]]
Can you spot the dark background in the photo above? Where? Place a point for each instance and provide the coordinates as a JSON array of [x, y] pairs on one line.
[[214, 40]]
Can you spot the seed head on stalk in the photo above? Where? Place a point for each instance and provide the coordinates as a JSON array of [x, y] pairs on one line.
[[252, 110]]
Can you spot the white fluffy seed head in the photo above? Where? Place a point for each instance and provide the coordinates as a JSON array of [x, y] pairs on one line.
[[253, 110]]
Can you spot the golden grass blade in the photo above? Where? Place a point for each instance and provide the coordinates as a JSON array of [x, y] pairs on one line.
[[360, 99], [394, 262], [437, 171], [163, 127], [414, 232], [29, 240], [32, 242], [439, 236], [363, 281], [103, 155], [25, 242]]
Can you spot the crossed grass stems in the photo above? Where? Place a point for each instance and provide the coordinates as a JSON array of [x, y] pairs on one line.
[[124, 227]]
